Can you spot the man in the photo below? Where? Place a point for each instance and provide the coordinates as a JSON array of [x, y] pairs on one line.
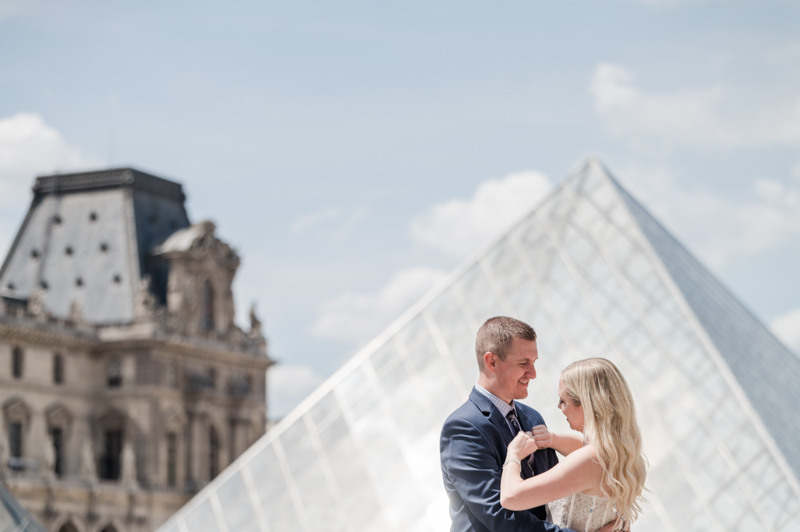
[[475, 437]]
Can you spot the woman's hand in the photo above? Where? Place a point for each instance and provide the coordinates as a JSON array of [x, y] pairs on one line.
[[541, 436], [521, 446]]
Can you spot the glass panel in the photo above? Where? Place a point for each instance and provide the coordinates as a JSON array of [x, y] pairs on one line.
[[273, 492], [236, 508], [791, 525], [729, 506], [762, 473], [749, 523], [780, 503], [202, 517]]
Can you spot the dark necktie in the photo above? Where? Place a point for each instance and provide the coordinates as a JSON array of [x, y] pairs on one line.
[[513, 421]]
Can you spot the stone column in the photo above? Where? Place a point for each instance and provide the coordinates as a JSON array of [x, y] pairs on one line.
[[35, 444]]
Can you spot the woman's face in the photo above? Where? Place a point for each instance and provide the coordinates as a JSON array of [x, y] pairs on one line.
[[573, 413]]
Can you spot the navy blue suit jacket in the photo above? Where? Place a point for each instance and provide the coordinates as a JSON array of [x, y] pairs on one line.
[[473, 450]]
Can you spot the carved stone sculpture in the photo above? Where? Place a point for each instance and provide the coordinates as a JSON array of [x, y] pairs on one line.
[[145, 301], [128, 466], [255, 323], [76, 311], [49, 458], [36, 303], [88, 469]]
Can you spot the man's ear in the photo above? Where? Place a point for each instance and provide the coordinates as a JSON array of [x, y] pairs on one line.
[[490, 361]]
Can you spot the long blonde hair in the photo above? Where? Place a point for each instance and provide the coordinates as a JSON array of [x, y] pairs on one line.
[[610, 426]]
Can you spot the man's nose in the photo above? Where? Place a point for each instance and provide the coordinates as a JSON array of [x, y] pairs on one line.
[[532, 373]]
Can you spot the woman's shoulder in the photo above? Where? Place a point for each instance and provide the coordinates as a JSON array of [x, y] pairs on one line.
[[584, 463], [583, 458]]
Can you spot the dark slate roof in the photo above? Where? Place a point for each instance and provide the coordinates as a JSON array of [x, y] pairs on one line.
[[767, 371], [105, 179], [87, 237]]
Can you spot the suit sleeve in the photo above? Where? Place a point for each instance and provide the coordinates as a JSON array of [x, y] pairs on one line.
[[473, 469]]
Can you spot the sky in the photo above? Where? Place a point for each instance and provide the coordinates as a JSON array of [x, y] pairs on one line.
[[354, 152]]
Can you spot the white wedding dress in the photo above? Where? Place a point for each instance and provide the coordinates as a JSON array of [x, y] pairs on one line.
[[581, 513]]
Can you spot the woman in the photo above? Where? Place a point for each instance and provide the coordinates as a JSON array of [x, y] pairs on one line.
[[602, 475]]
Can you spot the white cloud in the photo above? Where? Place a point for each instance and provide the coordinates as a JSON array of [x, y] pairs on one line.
[[720, 229], [288, 385], [28, 147], [787, 328], [460, 227], [689, 117], [357, 317]]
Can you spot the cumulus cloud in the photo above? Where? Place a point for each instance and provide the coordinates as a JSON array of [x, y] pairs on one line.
[[28, 146], [288, 386], [718, 228], [459, 227], [357, 317], [689, 117], [787, 328]]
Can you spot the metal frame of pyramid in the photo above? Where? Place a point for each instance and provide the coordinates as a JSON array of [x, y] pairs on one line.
[[15, 518], [596, 275]]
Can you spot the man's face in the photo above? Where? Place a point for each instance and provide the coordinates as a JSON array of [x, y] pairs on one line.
[[513, 374]]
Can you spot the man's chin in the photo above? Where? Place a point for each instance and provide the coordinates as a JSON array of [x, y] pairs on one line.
[[522, 393]]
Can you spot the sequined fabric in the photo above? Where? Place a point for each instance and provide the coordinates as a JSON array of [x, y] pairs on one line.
[[582, 513]]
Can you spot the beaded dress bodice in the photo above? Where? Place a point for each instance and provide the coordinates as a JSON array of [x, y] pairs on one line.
[[582, 513]]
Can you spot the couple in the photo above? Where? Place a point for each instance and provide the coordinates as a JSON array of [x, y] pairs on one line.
[[499, 461]]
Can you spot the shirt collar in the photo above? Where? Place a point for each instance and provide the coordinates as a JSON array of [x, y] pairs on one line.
[[501, 405]]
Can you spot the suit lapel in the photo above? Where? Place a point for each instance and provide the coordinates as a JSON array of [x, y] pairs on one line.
[[497, 419], [494, 415]]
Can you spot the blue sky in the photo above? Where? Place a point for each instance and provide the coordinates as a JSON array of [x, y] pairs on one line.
[[354, 152]]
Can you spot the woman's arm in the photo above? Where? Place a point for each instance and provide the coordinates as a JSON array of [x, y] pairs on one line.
[[577, 472], [563, 442]]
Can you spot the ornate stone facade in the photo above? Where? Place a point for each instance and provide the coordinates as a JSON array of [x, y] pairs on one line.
[[125, 385]]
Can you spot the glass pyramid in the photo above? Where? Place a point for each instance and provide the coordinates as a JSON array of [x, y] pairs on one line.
[[13, 517], [595, 275]]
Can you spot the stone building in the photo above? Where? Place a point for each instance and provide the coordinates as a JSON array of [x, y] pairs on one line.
[[125, 385]]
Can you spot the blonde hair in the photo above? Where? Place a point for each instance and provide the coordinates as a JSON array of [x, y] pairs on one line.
[[610, 426]]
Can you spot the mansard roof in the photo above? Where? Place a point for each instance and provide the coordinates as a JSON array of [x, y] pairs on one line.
[[86, 238], [104, 179]]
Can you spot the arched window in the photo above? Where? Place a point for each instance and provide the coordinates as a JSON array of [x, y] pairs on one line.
[[114, 373], [58, 369], [207, 307], [111, 460], [57, 434], [15, 439], [213, 453], [68, 527], [16, 362], [17, 416]]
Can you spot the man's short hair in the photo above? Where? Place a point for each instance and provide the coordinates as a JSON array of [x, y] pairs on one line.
[[496, 335]]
